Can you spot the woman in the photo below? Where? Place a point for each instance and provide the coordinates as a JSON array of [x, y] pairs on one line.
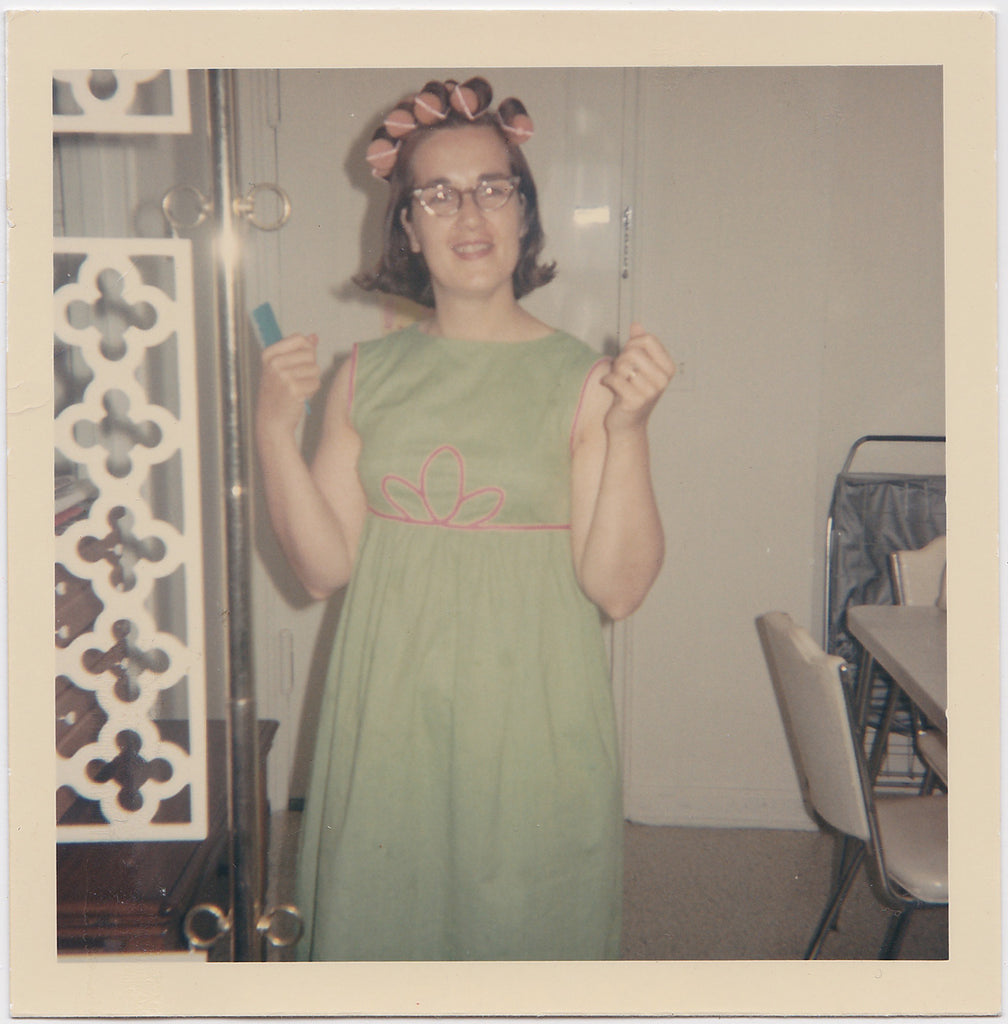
[[482, 484]]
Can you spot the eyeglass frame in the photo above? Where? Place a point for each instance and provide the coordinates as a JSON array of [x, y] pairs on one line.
[[514, 180]]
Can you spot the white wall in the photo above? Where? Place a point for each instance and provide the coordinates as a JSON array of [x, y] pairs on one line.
[[787, 247], [796, 248]]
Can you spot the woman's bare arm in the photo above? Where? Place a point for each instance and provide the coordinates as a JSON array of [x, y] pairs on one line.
[[317, 512], [616, 534]]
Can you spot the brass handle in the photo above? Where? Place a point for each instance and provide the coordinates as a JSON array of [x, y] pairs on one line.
[[205, 939], [245, 206], [175, 201], [281, 926], [174, 213]]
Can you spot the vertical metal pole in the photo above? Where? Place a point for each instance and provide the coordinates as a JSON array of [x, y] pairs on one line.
[[245, 797]]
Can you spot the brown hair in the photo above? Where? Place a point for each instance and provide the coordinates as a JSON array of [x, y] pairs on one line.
[[400, 271]]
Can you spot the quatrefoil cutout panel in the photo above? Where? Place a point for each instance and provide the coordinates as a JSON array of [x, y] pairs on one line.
[[111, 312], [120, 547], [126, 664], [130, 771], [116, 432], [127, 313], [127, 773]]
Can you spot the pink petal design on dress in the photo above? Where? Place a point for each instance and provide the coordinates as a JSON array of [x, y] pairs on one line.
[[474, 502], [454, 467], [406, 499]]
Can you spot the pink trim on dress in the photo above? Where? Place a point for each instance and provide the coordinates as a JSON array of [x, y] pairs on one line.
[[462, 499], [581, 397], [481, 528]]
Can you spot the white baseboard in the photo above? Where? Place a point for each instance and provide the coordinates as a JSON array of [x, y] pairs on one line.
[[716, 807]]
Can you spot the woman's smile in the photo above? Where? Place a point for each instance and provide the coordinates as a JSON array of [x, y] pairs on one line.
[[473, 250]]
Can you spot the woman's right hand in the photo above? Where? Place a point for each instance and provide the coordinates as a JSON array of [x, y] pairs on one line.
[[290, 376], [317, 510]]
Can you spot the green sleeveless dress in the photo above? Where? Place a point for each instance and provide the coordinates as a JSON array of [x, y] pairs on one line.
[[465, 796]]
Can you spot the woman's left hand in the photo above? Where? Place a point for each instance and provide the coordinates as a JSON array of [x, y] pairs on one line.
[[637, 378]]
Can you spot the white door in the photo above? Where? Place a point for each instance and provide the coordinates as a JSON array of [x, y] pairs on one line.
[[788, 248]]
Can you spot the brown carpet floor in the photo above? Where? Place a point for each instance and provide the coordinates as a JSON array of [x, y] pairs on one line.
[[721, 894], [750, 894]]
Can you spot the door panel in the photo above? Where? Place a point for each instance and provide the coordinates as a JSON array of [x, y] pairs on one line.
[[788, 236]]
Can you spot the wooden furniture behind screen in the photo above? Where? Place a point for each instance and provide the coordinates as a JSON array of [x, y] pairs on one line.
[[132, 897]]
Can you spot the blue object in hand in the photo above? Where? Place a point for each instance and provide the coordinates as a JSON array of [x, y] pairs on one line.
[[269, 329], [266, 324]]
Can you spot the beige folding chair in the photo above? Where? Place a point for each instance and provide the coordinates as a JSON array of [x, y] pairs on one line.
[[918, 577], [903, 840], [917, 574]]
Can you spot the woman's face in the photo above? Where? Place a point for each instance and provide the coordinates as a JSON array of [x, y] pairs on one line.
[[472, 253]]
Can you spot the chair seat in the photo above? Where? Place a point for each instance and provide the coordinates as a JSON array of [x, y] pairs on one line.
[[934, 752], [914, 837]]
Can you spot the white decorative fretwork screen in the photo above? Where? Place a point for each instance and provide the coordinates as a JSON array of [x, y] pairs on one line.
[[133, 542], [121, 101]]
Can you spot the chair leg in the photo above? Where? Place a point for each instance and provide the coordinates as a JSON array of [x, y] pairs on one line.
[[832, 911], [881, 739], [862, 691], [930, 777], [839, 860], [894, 935], [845, 849]]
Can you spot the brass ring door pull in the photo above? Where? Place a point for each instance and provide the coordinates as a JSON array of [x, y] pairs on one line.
[[282, 926], [245, 206], [185, 207], [204, 925], [176, 204]]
